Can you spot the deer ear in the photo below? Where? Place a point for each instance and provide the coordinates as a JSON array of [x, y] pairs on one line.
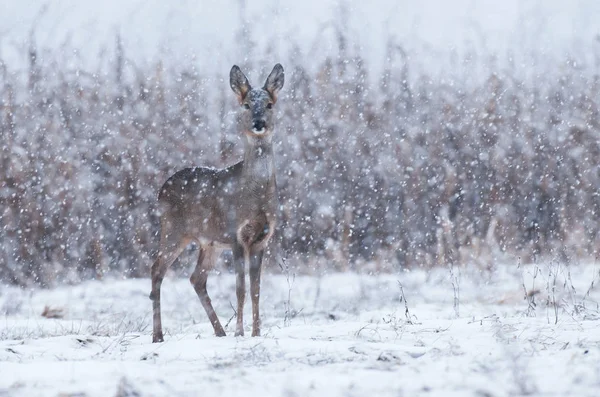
[[275, 81], [239, 83]]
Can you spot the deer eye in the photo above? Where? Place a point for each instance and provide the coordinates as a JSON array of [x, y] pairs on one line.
[[246, 106], [269, 105]]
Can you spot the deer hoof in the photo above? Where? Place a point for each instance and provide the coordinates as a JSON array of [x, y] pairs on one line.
[[220, 333], [157, 338]]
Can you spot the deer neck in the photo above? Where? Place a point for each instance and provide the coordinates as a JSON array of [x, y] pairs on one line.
[[258, 161]]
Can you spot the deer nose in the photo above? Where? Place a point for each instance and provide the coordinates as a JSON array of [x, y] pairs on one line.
[[258, 125]]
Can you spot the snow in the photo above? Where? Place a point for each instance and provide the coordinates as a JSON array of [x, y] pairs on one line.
[[476, 145], [332, 334]]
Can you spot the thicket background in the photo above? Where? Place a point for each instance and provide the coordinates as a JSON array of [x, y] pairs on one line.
[[487, 157]]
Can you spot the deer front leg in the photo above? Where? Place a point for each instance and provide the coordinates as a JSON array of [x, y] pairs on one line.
[[240, 287], [255, 269]]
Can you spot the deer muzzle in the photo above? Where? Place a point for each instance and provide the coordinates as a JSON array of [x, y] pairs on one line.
[[259, 127]]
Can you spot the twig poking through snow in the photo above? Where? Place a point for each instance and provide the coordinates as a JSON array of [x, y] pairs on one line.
[[529, 296], [287, 320], [234, 315], [456, 289], [551, 288], [403, 299]]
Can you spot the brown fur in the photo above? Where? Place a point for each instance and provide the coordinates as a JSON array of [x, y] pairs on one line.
[[232, 208]]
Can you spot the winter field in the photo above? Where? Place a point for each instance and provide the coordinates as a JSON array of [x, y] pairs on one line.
[[421, 148], [469, 332]]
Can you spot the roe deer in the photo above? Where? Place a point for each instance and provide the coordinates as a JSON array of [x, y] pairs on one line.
[[230, 208]]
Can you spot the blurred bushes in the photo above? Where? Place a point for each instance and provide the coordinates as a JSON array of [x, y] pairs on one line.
[[379, 171]]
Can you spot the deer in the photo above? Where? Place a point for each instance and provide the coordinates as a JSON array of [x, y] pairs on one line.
[[232, 208]]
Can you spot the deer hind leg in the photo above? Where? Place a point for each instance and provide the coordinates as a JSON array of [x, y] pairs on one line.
[[198, 280], [239, 254], [255, 269], [170, 249]]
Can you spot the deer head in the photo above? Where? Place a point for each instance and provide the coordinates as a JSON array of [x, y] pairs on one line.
[[257, 117]]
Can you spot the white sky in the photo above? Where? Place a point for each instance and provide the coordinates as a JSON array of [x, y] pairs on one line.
[[205, 30]]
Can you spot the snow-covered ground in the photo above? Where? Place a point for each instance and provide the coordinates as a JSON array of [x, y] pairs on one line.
[[471, 333]]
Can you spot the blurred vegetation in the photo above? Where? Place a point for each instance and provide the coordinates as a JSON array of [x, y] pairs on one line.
[[482, 162]]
